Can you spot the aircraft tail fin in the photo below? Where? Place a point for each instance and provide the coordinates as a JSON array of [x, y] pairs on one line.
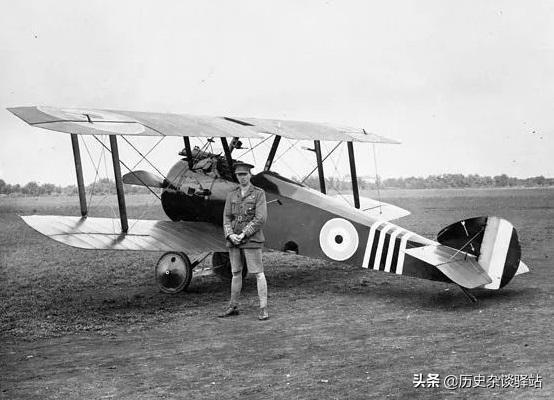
[[494, 243]]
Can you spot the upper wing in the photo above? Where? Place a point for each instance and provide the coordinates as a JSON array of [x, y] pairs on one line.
[[147, 235], [111, 122], [133, 123], [303, 130]]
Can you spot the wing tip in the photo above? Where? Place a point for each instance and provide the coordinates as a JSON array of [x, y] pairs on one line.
[[522, 268]]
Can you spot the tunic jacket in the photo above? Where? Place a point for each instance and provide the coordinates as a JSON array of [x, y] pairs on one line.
[[245, 214]]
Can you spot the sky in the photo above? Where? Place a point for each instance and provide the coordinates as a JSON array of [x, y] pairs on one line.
[[466, 86]]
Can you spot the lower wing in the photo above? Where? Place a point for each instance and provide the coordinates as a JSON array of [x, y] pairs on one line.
[[146, 235]]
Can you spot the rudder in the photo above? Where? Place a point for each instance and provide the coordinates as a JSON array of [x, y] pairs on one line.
[[493, 240]]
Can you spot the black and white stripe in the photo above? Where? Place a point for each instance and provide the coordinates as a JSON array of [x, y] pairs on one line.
[[385, 247], [499, 254], [499, 250]]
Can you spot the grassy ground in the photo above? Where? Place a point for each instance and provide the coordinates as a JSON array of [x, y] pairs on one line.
[[87, 324]]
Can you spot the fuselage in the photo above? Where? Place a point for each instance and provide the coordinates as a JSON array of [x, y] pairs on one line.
[[309, 223], [301, 220]]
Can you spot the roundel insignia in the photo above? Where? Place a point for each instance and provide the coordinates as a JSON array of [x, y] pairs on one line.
[[104, 122], [338, 239]]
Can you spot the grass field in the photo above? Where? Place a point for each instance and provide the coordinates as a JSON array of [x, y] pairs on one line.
[[91, 324]]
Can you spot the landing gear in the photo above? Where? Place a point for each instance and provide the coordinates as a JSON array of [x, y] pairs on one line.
[[173, 272], [221, 265]]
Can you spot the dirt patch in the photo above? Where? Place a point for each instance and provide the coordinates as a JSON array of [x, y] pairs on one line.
[[87, 324]]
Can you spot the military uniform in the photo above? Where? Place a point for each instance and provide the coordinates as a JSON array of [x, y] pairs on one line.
[[244, 216]]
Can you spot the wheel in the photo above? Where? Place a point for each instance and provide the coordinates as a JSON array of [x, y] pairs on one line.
[[173, 272], [221, 265]]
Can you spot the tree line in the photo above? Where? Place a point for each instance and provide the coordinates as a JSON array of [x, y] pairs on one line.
[[444, 181], [101, 187]]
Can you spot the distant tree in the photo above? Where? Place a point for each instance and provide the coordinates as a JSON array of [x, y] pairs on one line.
[[48, 188], [501, 180], [13, 188], [539, 180], [69, 190], [2, 186], [487, 181], [31, 188]]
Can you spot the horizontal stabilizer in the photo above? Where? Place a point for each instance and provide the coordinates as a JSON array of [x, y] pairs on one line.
[[376, 209], [146, 235], [522, 268], [143, 178], [462, 268]]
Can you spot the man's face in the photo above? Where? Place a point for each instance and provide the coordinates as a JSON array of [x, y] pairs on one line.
[[243, 178]]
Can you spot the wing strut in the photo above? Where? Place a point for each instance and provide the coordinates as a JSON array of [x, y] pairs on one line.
[[353, 175], [188, 151], [119, 184], [79, 172], [228, 156], [317, 147], [235, 144], [272, 152]]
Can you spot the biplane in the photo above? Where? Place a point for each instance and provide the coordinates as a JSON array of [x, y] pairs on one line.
[[479, 252]]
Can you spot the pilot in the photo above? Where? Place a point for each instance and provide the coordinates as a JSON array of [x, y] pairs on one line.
[[243, 219]]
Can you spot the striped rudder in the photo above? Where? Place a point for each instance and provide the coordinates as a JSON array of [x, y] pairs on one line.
[[493, 240]]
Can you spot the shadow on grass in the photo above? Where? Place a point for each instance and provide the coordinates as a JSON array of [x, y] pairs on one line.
[[401, 291], [116, 290]]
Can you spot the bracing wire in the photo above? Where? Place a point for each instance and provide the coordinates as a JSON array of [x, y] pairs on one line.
[[144, 157], [144, 209], [125, 165], [96, 169], [377, 182], [324, 158], [202, 149], [286, 150], [338, 174], [107, 176], [96, 177], [465, 244], [148, 152], [97, 165], [253, 154], [252, 148], [301, 153], [295, 172]]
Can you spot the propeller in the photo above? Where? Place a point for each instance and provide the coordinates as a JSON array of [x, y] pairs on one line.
[[144, 178]]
